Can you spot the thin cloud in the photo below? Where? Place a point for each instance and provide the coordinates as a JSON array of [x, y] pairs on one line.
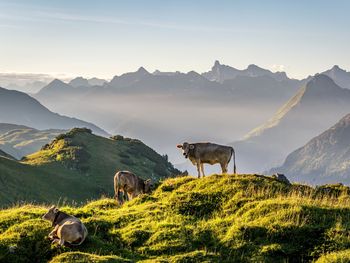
[[50, 15]]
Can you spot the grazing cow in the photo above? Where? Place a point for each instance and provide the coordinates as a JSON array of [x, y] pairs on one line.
[[130, 185], [200, 153], [66, 228]]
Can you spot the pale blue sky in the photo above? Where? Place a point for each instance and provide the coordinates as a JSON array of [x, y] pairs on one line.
[[104, 38]]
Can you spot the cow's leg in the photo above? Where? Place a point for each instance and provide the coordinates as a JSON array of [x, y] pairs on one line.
[[61, 242], [202, 168], [120, 197], [130, 196], [198, 169], [223, 168], [126, 194], [56, 240], [53, 233]]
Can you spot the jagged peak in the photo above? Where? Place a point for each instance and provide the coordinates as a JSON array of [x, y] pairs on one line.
[[216, 63], [318, 79], [142, 70], [254, 67], [193, 73], [336, 68], [79, 78], [56, 81]]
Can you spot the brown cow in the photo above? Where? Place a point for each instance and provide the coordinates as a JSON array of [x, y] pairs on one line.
[[67, 228], [205, 152], [130, 185]]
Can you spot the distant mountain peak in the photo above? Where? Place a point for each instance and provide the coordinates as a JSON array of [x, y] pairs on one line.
[[323, 158], [253, 67], [339, 75], [194, 74], [54, 86], [216, 63], [142, 70], [337, 69], [80, 78], [319, 88], [56, 81], [79, 81], [320, 80]]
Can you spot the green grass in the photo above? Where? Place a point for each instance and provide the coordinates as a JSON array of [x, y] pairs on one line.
[[220, 218], [76, 167]]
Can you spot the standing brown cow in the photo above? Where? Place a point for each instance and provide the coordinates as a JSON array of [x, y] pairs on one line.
[[205, 152], [130, 185]]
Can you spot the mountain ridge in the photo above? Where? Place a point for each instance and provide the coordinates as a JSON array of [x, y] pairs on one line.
[[220, 72], [311, 111], [19, 108], [323, 159]]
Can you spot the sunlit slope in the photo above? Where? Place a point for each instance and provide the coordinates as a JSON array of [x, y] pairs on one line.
[[77, 166], [220, 218]]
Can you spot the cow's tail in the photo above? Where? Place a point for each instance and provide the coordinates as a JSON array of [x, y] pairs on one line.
[[234, 161]]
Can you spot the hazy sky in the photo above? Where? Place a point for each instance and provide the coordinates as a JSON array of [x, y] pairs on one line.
[[104, 38]]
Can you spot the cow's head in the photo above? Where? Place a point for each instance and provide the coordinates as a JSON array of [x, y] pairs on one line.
[[51, 214], [148, 186], [186, 147]]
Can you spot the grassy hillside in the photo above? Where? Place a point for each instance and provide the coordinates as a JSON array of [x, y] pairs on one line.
[[220, 218], [77, 166]]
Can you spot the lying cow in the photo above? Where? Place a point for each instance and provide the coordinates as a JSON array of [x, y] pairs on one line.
[[130, 185], [67, 228], [201, 153]]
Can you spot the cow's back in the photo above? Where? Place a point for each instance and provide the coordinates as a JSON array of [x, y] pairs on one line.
[[211, 152]]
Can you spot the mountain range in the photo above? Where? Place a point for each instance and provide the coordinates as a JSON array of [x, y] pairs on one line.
[[83, 82], [324, 159], [312, 110], [163, 108], [221, 105], [220, 73], [340, 76], [19, 108]]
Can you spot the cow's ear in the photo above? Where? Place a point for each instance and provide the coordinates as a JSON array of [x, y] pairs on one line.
[[191, 146], [55, 210], [148, 181], [179, 146]]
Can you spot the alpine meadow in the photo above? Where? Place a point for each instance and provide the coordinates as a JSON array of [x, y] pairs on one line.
[[174, 131]]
